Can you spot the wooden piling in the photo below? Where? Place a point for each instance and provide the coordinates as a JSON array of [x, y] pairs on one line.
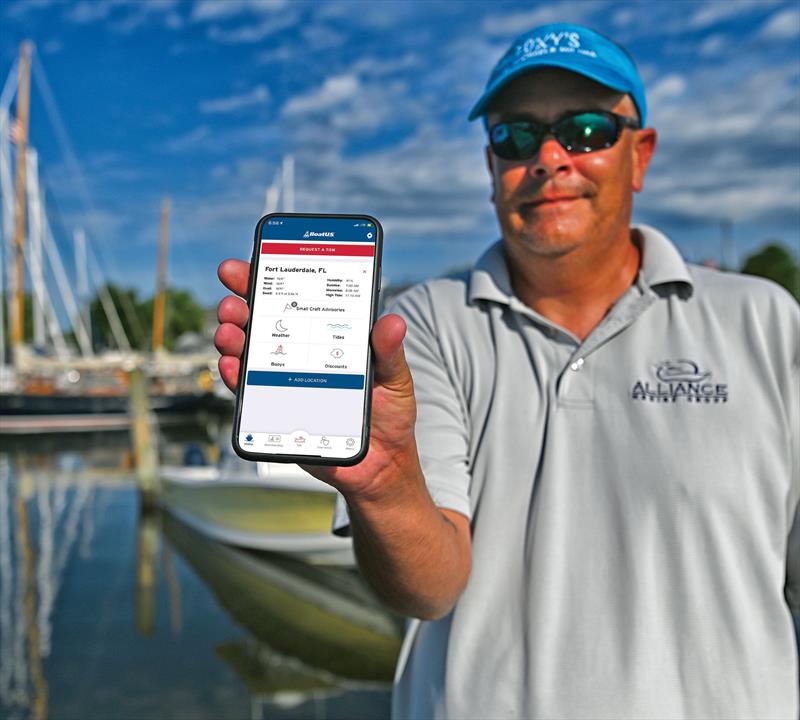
[[144, 439]]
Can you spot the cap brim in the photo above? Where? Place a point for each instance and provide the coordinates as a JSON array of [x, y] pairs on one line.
[[606, 79]]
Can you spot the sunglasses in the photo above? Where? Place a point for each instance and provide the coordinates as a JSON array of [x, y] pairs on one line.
[[584, 131]]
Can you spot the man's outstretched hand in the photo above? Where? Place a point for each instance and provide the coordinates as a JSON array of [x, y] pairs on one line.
[[393, 405], [414, 555]]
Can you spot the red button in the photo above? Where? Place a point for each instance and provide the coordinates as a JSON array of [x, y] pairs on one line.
[[318, 249]]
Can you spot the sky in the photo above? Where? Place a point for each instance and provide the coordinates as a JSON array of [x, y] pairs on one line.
[[200, 100]]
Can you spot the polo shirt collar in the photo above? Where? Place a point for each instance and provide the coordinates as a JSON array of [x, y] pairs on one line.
[[661, 264], [661, 261], [490, 279]]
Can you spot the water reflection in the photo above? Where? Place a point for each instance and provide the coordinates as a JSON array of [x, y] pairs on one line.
[[108, 613], [323, 616], [33, 557]]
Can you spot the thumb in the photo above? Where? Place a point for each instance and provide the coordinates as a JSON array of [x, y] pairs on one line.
[[391, 369]]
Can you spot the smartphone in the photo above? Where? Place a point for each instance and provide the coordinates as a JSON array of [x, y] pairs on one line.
[[305, 381]]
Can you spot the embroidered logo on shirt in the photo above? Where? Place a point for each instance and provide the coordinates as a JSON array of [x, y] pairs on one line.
[[680, 380]]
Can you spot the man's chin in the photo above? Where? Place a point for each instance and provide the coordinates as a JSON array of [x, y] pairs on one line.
[[546, 244]]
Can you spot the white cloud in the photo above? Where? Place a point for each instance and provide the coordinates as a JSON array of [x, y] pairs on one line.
[[20, 8], [728, 149], [783, 25], [188, 140], [713, 11], [173, 21], [713, 45], [738, 199], [257, 96], [432, 184], [251, 33], [51, 47], [88, 11], [666, 89], [379, 16], [228, 139], [513, 24], [334, 91], [205, 10], [322, 38], [276, 54], [623, 18], [379, 67]]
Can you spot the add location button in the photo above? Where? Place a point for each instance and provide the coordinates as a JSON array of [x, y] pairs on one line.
[[339, 381]]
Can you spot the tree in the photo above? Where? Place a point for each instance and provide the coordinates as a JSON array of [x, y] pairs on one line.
[[184, 314], [775, 262], [27, 319], [128, 307]]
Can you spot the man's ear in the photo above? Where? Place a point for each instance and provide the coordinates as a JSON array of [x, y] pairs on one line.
[[644, 145], [490, 167]]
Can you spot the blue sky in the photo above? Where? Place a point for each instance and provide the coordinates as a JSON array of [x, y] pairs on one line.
[[200, 100]]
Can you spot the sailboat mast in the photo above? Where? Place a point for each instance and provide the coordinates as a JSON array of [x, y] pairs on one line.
[[159, 305], [23, 108]]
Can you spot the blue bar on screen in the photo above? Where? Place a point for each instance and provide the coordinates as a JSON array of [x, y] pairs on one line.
[[339, 381]]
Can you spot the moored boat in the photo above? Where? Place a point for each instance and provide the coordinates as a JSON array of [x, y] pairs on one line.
[[261, 506]]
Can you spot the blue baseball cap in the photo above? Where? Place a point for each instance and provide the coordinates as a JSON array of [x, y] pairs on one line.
[[573, 47]]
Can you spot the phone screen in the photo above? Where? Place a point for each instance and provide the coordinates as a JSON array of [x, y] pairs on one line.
[[305, 381]]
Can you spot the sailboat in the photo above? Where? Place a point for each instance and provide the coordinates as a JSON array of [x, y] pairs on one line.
[[52, 384]]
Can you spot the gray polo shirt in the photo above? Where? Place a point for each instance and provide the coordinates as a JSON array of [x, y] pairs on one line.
[[631, 498]]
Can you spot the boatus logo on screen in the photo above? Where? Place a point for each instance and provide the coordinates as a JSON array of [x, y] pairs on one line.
[[680, 381]]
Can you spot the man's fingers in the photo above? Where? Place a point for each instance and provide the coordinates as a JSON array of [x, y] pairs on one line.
[[233, 310], [234, 275], [229, 340], [391, 369], [229, 371]]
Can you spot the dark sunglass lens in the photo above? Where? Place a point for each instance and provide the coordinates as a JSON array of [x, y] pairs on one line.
[[500, 140], [527, 137], [587, 132], [499, 134], [515, 140]]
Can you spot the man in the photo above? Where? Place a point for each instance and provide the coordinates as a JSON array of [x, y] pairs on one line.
[[586, 492]]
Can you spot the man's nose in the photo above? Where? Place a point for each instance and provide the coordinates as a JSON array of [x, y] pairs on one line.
[[551, 159]]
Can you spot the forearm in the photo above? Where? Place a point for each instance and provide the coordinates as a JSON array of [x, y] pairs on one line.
[[415, 558]]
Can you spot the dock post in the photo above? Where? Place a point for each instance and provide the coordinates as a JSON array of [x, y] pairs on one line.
[[144, 439]]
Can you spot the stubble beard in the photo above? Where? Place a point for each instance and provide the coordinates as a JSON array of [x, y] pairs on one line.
[[526, 243]]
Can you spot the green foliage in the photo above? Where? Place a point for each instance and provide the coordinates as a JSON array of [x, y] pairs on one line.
[[27, 319], [128, 306], [183, 314], [775, 262]]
